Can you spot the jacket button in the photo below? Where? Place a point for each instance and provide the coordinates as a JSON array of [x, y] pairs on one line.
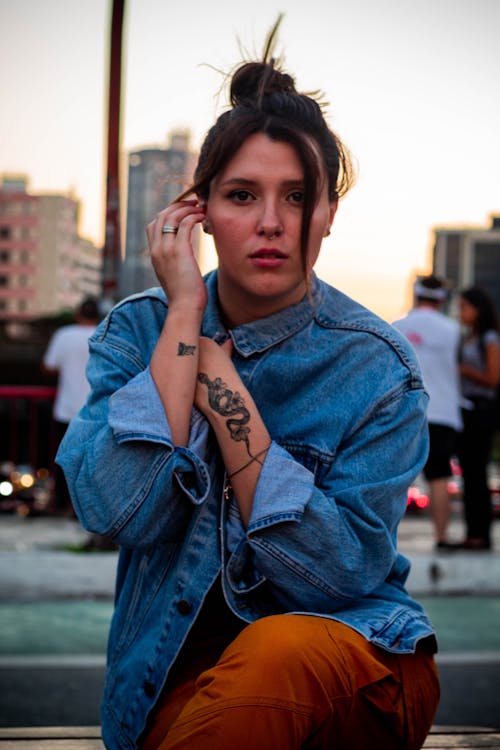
[[149, 688], [184, 607]]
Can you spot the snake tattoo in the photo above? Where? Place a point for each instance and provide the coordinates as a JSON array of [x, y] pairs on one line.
[[228, 404]]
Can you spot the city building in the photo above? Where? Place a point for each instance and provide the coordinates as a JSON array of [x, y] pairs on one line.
[[45, 266], [155, 177], [469, 256]]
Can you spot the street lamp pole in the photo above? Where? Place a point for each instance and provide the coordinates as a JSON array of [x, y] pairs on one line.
[[112, 244]]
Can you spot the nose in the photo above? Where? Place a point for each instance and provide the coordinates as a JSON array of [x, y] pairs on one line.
[[270, 224]]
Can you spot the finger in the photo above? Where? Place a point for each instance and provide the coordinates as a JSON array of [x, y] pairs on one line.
[[174, 215], [170, 216], [178, 244], [186, 224]]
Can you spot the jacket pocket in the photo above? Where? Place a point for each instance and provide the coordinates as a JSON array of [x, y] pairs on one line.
[[133, 606]]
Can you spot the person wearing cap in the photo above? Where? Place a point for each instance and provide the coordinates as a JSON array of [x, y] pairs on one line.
[[436, 340]]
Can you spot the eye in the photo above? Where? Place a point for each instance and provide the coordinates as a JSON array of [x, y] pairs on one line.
[[241, 196], [296, 196]]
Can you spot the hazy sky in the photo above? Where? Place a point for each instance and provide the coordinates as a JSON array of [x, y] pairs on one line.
[[413, 87]]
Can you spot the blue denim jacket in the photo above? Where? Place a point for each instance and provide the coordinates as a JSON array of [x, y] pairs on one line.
[[342, 397]]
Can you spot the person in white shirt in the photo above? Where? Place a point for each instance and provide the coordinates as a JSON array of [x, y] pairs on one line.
[[436, 340], [67, 355]]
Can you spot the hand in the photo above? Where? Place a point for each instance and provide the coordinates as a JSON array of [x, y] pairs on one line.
[[173, 258]]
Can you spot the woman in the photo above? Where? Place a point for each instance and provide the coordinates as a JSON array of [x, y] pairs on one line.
[[248, 442], [480, 375]]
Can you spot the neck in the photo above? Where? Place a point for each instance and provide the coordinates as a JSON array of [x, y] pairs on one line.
[[246, 312], [240, 306]]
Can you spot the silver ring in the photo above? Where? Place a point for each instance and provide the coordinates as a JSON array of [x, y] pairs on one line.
[[169, 230]]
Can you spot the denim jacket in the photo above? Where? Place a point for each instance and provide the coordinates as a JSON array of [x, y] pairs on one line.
[[342, 398]]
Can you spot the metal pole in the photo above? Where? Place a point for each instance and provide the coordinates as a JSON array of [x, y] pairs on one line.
[[112, 244]]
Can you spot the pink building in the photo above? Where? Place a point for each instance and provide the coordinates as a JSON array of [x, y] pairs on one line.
[[45, 266]]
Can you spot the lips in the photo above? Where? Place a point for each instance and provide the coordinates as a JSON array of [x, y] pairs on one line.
[[269, 252], [268, 259]]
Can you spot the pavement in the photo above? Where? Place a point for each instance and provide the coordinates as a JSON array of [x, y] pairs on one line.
[[56, 604], [38, 561]]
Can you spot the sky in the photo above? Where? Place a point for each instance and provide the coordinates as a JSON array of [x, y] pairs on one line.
[[412, 87]]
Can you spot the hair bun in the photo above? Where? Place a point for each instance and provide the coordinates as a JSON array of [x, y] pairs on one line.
[[254, 80]]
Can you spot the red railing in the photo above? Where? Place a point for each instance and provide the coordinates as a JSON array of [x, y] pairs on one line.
[[29, 434]]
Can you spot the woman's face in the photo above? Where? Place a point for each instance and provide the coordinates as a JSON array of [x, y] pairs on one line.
[[254, 212], [468, 313]]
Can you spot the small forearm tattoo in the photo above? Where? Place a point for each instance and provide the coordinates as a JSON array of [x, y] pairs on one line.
[[228, 404], [185, 350]]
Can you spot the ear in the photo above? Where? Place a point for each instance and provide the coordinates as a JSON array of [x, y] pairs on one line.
[[331, 216], [205, 224]]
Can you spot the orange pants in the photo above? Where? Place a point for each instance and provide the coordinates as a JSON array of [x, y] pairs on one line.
[[297, 681]]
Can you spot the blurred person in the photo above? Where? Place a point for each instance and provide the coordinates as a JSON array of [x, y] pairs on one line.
[[248, 442], [436, 340], [480, 377], [67, 356]]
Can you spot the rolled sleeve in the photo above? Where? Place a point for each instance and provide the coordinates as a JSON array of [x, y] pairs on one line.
[[283, 491], [146, 497], [136, 412]]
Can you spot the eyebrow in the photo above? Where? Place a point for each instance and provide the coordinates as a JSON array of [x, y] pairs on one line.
[[246, 181]]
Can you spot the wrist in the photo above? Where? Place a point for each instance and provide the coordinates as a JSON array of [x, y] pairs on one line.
[[186, 312], [258, 457]]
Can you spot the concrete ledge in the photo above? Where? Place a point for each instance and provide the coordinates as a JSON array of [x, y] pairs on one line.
[[51, 738], [49, 575], [42, 575], [454, 573], [89, 738]]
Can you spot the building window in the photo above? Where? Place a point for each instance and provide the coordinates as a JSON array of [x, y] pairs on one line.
[[4, 256], [4, 281], [452, 262], [487, 268], [4, 233]]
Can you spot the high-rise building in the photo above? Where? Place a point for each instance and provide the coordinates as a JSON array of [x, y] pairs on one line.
[[469, 257], [155, 177], [45, 266]]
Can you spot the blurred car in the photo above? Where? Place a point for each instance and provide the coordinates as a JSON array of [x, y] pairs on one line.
[[25, 490], [418, 499]]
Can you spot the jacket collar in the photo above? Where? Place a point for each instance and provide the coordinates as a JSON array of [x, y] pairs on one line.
[[263, 333]]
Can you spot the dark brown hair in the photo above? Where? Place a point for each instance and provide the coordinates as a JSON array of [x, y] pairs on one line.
[[264, 100], [479, 298]]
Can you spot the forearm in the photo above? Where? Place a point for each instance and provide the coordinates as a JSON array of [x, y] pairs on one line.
[[243, 446], [488, 377], [490, 374], [174, 368], [174, 363], [240, 431]]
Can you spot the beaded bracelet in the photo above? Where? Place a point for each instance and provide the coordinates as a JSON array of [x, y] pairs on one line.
[[254, 458]]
